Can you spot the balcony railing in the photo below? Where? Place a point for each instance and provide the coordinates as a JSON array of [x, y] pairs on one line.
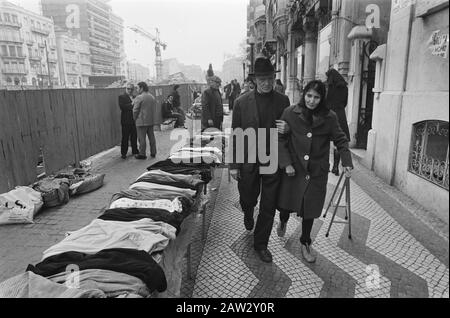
[[52, 60], [9, 38], [14, 69], [10, 23], [34, 57], [14, 56], [39, 30]]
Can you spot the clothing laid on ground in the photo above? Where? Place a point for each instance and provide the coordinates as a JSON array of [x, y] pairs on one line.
[[145, 234], [30, 285], [109, 282], [172, 206], [133, 214], [185, 200], [154, 186], [194, 157], [180, 181], [133, 262], [183, 168]]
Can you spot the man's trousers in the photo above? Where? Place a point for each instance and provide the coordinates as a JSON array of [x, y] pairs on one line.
[[129, 133], [143, 132], [250, 185]]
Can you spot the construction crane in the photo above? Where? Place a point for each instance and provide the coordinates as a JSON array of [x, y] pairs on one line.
[[158, 45]]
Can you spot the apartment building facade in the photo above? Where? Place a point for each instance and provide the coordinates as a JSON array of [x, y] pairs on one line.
[[27, 49], [96, 24], [74, 62]]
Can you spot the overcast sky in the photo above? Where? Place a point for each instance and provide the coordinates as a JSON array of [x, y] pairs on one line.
[[196, 31]]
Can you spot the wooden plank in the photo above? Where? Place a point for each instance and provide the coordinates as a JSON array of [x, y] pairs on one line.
[[7, 180], [30, 149], [51, 142]]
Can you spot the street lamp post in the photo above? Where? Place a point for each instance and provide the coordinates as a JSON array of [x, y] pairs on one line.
[[251, 41], [243, 69]]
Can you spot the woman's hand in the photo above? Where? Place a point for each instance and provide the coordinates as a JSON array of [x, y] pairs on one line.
[[290, 171], [282, 126], [347, 171]]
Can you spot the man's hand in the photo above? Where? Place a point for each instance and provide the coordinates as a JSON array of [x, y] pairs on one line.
[[290, 171], [282, 126], [210, 122], [235, 174], [347, 171]]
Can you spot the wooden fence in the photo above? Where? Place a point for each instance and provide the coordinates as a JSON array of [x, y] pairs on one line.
[[67, 125]]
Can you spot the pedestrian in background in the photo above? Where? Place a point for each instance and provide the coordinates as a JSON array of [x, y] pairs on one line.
[[304, 156], [235, 92], [129, 133], [145, 116], [169, 111], [258, 110], [279, 87], [212, 106], [337, 101], [176, 96]]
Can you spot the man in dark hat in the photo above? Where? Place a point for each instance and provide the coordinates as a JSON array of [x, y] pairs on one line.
[[212, 107], [258, 110]]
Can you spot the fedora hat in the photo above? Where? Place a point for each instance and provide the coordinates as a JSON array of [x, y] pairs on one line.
[[263, 67]]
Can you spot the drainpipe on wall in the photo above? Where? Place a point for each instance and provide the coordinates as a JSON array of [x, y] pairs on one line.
[[403, 89]]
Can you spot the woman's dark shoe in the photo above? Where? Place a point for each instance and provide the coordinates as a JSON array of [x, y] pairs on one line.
[[264, 255], [281, 229], [308, 253], [335, 170], [141, 157]]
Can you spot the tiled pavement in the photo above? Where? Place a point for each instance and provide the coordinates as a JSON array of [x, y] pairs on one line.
[[411, 258]]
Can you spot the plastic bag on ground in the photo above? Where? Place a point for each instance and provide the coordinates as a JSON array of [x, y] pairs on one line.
[[19, 205]]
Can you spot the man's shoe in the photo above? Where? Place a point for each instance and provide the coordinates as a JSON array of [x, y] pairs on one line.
[[141, 157], [264, 255], [135, 152], [308, 253], [281, 228], [153, 156], [123, 157], [249, 222]]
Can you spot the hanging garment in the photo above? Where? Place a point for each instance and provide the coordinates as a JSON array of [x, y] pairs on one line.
[[133, 262], [144, 234]]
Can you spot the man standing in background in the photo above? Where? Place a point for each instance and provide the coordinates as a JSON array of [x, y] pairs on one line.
[[144, 114], [126, 120], [212, 107]]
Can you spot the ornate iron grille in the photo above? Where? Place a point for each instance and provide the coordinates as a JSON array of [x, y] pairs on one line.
[[429, 152]]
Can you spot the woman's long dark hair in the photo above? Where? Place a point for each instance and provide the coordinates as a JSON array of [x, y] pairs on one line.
[[321, 109]]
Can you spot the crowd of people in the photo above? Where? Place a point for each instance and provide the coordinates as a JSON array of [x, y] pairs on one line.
[[304, 132]]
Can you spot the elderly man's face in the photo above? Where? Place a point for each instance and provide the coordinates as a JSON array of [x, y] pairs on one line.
[[265, 83], [216, 84], [129, 89]]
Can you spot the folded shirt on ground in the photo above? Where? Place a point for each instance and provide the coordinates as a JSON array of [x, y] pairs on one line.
[[133, 262], [186, 200], [31, 285], [175, 180], [133, 214], [194, 157], [144, 234], [109, 282], [155, 186], [168, 205], [183, 168]]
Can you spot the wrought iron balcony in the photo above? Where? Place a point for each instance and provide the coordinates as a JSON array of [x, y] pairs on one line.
[[11, 23], [40, 30], [8, 69]]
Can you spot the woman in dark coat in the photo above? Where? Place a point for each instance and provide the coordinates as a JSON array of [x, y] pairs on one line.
[[337, 101], [304, 160]]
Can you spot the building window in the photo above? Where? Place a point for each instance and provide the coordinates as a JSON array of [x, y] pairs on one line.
[[7, 17], [429, 152]]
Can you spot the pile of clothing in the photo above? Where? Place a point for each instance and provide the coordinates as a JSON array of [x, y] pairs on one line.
[[119, 254]]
